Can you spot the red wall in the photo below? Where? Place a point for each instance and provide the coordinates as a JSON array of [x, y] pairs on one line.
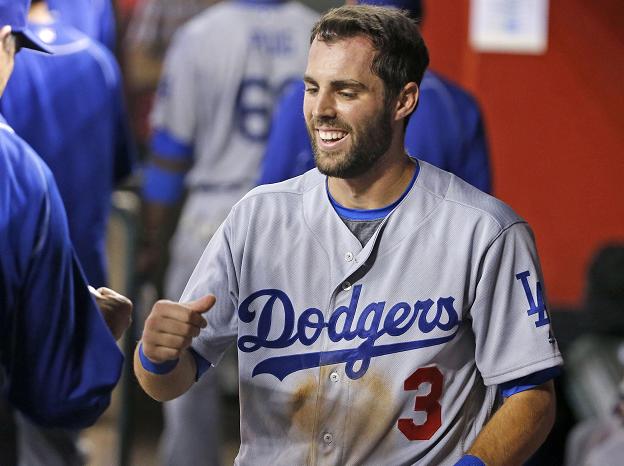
[[556, 127]]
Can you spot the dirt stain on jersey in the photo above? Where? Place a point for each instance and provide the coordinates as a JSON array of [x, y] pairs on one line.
[[309, 408], [370, 417], [303, 403], [368, 413]]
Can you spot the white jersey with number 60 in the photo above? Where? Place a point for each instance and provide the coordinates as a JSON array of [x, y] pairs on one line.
[[221, 77]]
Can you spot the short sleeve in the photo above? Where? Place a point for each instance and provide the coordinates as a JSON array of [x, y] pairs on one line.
[[509, 315], [176, 96], [216, 274]]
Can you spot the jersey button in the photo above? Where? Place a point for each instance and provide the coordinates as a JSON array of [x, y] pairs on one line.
[[348, 256], [334, 377], [346, 286], [328, 438]]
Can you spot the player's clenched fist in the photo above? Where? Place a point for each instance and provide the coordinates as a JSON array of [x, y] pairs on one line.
[[171, 326]]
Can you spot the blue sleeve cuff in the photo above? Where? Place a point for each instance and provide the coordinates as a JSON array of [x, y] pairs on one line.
[[169, 147], [153, 367], [161, 185], [469, 460], [202, 364], [528, 382]]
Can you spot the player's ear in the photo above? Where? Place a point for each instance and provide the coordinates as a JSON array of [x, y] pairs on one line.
[[407, 100]]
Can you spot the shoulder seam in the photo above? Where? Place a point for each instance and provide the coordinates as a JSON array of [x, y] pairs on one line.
[[285, 191], [485, 212], [502, 228]]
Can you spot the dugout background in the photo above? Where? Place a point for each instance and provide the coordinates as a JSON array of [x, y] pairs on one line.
[[555, 125]]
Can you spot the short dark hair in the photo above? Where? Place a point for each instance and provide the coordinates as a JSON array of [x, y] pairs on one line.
[[402, 55]]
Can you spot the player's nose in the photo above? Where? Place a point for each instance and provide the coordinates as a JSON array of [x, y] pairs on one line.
[[323, 105]]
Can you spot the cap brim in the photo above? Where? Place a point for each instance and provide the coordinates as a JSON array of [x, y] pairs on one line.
[[28, 39]]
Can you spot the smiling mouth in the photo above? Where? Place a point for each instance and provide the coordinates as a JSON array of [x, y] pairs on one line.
[[331, 137]]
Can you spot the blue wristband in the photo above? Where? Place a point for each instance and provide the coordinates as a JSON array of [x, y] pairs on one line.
[[469, 460], [155, 367]]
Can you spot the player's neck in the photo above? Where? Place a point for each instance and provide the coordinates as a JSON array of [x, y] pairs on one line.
[[39, 13], [380, 186]]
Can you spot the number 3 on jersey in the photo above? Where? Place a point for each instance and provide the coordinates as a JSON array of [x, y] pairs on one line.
[[429, 404]]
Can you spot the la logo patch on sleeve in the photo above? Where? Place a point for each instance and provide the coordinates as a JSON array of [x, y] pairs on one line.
[[536, 302]]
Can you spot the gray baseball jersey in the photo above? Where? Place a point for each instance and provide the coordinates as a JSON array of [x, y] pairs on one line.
[[384, 354]]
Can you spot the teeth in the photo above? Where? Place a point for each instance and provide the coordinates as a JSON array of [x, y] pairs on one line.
[[331, 135]]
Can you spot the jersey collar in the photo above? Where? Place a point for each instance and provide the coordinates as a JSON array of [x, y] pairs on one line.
[[426, 194], [371, 214]]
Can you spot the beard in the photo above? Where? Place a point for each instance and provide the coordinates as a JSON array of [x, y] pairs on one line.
[[368, 144]]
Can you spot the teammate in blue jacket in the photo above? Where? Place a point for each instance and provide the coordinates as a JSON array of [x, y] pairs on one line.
[[446, 130], [59, 359], [69, 108]]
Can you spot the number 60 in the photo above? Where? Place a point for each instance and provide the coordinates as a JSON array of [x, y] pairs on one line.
[[254, 103]]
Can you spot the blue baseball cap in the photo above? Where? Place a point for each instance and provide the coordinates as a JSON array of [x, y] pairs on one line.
[[14, 13], [413, 6]]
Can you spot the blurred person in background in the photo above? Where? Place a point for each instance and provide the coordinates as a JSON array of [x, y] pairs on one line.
[[447, 129], [210, 122], [58, 356], [150, 29], [598, 441], [591, 340]]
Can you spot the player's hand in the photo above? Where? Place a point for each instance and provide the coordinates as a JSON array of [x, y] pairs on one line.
[[170, 327], [115, 308]]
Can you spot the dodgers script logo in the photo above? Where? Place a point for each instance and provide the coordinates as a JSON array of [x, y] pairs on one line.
[[399, 319]]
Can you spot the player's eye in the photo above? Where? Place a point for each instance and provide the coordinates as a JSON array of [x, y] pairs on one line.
[[311, 90], [347, 94]]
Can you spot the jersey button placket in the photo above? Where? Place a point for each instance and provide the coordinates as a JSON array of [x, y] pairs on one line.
[[328, 438], [334, 377], [346, 286]]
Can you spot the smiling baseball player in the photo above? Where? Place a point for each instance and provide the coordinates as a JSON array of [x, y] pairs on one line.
[[447, 130], [379, 305]]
